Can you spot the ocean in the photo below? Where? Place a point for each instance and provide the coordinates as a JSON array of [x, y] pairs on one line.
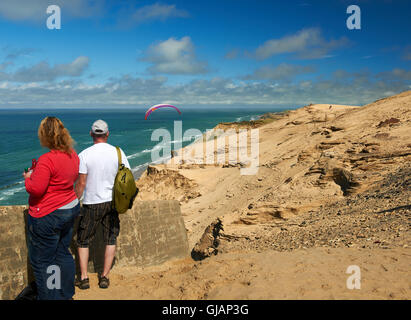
[[19, 143]]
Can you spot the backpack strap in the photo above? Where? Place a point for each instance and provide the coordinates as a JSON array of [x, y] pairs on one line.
[[119, 157]]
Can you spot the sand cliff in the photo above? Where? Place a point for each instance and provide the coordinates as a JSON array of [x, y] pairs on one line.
[[332, 190]]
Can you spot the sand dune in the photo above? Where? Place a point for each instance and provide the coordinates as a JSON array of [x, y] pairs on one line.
[[332, 190]]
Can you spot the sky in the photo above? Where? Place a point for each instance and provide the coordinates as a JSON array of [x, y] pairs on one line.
[[201, 53]]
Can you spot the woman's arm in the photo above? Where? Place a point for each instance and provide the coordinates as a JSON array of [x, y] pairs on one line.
[[38, 181]]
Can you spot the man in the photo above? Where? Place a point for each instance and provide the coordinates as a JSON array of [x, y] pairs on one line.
[[98, 169]]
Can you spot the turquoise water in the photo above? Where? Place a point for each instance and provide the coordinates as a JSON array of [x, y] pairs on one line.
[[128, 129]]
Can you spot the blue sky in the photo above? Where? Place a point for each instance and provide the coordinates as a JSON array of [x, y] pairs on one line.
[[219, 52]]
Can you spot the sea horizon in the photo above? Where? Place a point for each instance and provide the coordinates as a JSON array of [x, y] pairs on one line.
[[128, 129]]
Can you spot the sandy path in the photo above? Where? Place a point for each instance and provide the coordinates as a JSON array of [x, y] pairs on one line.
[[316, 273]]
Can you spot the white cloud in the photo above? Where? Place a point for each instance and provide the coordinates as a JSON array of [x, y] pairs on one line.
[[4, 65], [174, 56], [44, 72], [13, 53], [157, 11], [407, 53], [306, 44], [35, 10], [232, 54], [395, 75], [283, 71]]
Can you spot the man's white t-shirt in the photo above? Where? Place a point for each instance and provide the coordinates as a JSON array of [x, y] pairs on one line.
[[100, 163]]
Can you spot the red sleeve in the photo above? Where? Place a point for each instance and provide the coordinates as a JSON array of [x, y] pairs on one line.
[[39, 180]]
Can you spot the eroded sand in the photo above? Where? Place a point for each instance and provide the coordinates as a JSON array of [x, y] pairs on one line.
[[332, 190]]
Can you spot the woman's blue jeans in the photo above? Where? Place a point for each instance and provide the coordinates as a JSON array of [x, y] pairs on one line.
[[53, 265]]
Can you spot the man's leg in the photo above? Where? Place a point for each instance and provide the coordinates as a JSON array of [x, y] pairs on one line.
[[85, 234], [108, 259], [83, 254], [111, 230]]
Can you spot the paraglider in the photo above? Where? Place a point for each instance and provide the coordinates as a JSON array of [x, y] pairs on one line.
[[158, 106]]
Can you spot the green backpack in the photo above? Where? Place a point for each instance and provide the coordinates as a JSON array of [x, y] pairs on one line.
[[124, 189]]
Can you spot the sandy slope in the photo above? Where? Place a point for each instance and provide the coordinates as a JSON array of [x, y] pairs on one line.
[[333, 179], [318, 273]]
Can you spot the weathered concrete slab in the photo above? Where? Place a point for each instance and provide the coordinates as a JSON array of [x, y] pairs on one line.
[[152, 233]]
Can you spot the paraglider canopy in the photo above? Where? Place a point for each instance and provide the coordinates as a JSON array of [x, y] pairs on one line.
[[159, 106]]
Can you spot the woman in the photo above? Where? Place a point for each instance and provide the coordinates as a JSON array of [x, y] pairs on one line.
[[53, 206]]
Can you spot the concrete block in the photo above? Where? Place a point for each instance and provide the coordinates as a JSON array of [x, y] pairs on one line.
[[151, 233]]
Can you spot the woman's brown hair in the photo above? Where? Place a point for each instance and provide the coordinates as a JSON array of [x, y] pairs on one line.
[[53, 135]]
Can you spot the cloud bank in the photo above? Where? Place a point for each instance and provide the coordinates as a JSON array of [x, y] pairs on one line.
[[341, 87]]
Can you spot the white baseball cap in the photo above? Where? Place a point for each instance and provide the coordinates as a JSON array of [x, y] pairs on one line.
[[99, 127]]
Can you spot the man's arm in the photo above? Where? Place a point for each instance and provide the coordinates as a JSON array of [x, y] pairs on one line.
[[80, 185], [124, 159]]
